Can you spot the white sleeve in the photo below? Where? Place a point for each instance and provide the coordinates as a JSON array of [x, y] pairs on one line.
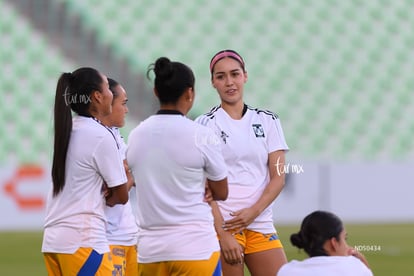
[[109, 162], [210, 147], [121, 143], [275, 137]]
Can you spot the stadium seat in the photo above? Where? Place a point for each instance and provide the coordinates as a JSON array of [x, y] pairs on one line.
[[30, 68], [336, 73]]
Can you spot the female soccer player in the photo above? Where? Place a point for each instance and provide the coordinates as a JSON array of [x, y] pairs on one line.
[[121, 227], [323, 237], [170, 157], [253, 145], [85, 156]]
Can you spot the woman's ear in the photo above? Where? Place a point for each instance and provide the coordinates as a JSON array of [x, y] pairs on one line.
[[330, 246], [96, 96], [155, 92], [189, 94], [334, 244], [192, 93]]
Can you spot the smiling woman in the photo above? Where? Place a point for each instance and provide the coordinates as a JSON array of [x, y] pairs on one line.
[[253, 146]]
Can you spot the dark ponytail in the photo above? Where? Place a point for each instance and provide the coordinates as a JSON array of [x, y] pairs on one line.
[[316, 229], [73, 92], [62, 128], [171, 79]]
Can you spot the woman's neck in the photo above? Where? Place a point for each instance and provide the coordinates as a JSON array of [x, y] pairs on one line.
[[176, 107], [97, 115], [235, 111]]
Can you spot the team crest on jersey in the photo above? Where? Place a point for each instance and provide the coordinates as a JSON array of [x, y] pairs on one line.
[[224, 137], [258, 130]]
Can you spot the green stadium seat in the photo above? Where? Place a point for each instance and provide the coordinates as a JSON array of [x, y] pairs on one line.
[[332, 71], [28, 71]]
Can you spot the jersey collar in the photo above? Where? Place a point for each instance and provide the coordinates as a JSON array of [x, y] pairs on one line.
[[169, 112]]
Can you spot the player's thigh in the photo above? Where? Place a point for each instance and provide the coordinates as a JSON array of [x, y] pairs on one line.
[[232, 269], [267, 262]]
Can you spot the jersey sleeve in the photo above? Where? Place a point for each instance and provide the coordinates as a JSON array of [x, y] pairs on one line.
[[109, 162], [121, 142], [209, 145], [275, 136], [202, 120]]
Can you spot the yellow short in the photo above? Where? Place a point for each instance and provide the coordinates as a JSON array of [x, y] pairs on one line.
[[84, 262], [253, 242], [210, 267], [124, 259]]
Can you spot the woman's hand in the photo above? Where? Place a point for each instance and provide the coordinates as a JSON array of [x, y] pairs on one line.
[[353, 252], [231, 249], [241, 219]]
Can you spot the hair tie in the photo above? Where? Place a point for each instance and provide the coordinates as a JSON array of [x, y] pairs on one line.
[[224, 54]]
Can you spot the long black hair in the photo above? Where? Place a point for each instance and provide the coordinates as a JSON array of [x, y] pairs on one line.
[[73, 93]]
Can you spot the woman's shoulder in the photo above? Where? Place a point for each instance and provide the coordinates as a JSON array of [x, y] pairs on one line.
[[324, 265], [89, 127], [262, 112], [209, 116]]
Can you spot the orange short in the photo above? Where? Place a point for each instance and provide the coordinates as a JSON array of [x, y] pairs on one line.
[[253, 242], [210, 267], [124, 259], [85, 261]]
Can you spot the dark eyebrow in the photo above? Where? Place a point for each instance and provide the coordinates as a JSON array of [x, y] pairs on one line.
[[238, 69], [231, 71]]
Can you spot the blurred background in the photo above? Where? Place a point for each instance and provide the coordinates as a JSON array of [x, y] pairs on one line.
[[338, 73]]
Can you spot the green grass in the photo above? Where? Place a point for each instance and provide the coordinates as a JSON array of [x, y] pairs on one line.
[[20, 254], [20, 251]]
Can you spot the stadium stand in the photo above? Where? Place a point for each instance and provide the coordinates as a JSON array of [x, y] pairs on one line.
[[29, 72], [338, 73]]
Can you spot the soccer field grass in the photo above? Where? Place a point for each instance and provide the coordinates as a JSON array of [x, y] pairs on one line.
[[390, 249]]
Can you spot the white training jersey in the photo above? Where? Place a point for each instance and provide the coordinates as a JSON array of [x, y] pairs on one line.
[[170, 157], [246, 144], [326, 266], [75, 217], [121, 227]]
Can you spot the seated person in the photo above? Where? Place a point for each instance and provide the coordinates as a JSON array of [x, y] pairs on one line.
[[323, 237]]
